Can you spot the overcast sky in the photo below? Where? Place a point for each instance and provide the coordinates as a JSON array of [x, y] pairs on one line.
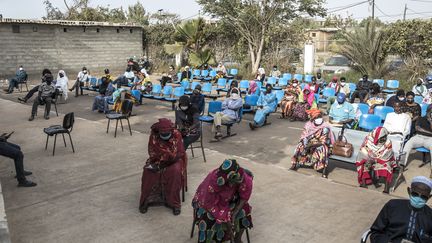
[[390, 9]]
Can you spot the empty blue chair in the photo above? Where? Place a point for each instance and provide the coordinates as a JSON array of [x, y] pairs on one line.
[[283, 82], [166, 92], [287, 76], [302, 85], [382, 111], [251, 100], [193, 86], [364, 108], [204, 73], [380, 82], [418, 99], [299, 77], [327, 92], [178, 91], [423, 109], [156, 90], [196, 73], [184, 84], [279, 95], [369, 122], [207, 87], [308, 78], [392, 85], [244, 85], [179, 76], [272, 81], [234, 71], [221, 83], [213, 107]]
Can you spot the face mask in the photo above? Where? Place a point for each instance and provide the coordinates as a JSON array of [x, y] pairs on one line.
[[61, 75], [183, 107], [85, 71], [274, 69], [165, 136], [295, 84], [318, 121], [343, 84], [401, 98], [235, 96], [410, 101], [20, 68], [417, 202], [339, 102]]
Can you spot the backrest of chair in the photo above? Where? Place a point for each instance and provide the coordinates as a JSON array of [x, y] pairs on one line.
[[418, 99], [68, 121], [212, 73], [380, 82], [157, 88], [352, 86], [392, 84], [194, 84], [196, 72], [136, 94], [298, 76], [364, 108], [328, 92], [369, 122], [244, 84], [184, 84], [283, 82], [93, 81], [287, 76], [126, 108], [214, 106], [271, 80], [234, 71], [382, 111], [204, 73], [423, 109], [221, 83], [279, 95], [308, 78], [302, 85], [207, 87], [178, 91], [179, 76], [167, 90], [251, 100]]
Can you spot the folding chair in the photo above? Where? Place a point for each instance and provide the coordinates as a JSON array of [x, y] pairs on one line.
[[68, 122]]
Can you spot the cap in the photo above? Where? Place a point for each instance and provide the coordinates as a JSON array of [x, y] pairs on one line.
[[341, 98]]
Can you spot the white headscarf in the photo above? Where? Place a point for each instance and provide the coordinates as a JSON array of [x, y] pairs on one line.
[[62, 83]]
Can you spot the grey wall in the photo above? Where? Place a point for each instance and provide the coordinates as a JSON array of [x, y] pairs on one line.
[[40, 46]]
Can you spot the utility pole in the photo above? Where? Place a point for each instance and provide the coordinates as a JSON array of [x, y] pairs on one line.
[[373, 9], [404, 16]]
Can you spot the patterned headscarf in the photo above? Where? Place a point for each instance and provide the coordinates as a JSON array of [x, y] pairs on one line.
[[314, 113], [163, 126], [229, 172]]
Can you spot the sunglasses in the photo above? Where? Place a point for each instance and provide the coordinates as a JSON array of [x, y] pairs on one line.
[[416, 194]]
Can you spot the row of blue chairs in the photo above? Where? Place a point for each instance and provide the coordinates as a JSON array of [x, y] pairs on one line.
[[93, 84], [207, 75], [168, 93], [392, 85]]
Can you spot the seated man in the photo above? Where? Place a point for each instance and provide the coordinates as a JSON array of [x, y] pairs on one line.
[[35, 88], [362, 89], [82, 80], [46, 91], [162, 177], [229, 112], [186, 74], [20, 76], [341, 88], [342, 112], [423, 138], [399, 97], [420, 88], [275, 73], [100, 102], [398, 124], [14, 152], [187, 121], [198, 99], [267, 104], [402, 220]]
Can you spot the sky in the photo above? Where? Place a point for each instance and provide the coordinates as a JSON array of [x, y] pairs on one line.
[[386, 10]]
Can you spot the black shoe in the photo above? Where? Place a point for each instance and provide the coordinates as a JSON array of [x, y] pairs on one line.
[[46, 117], [27, 183], [252, 126], [31, 118], [143, 209], [26, 173], [22, 99], [176, 211]]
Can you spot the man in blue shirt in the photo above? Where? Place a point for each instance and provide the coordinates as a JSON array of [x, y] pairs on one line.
[[20, 76], [342, 112], [267, 104]]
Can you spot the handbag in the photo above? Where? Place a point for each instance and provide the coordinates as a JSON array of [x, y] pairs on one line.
[[342, 148]]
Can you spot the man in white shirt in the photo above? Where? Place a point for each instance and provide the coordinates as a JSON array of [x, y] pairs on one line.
[[399, 126]]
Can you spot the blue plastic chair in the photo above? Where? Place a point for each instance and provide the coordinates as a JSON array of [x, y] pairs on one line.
[[369, 122], [382, 111], [423, 109], [178, 91], [272, 81], [184, 84], [287, 76], [156, 90], [327, 92], [179, 76], [352, 86], [308, 78], [136, 94], [196, 73], [299, 77], [364, 108], [279, 95], [193, 86], [302, 85], [392, 85], [166, 92], [204, 73], [251, 100], [380, 82], [234, 71], [207, 87], [244, 85], [418, 99], [221, 83], [283, 82], [213, 107]]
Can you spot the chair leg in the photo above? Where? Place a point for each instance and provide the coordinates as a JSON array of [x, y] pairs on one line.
[[115, 132], [130, 130], [55, 141], [202, 148], [70, 138], [247, 235], [191, 147], [55, 107], [108, 124], [64, 140], [26, 86], [46, 144], [183, 193], [121, 124]]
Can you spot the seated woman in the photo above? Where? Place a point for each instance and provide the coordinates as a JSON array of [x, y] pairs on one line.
[[187, 121], [291, 97], [168, 77], [100, 102], [198, 99], [374, 98], [163, 173], [253, 88], [221, 208], [305, 102], [313, 86], [375, 159], [315, 144], [267, 103], [413, 109], [229, 113], [62, 84]]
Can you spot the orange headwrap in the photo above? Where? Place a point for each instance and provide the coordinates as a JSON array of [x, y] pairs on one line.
[[313, 113]]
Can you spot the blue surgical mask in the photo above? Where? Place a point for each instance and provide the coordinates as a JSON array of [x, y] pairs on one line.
[[417, 202], [164, 136]]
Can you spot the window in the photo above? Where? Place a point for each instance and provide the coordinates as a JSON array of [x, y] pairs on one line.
[[64, 30], [35, 29], [15, 29], [118, 30], [97, 30], [131, 31], [313, 34]]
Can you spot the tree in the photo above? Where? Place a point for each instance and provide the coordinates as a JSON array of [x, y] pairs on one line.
[[365, 48], [52, 12], [137, 14], [254, 19]]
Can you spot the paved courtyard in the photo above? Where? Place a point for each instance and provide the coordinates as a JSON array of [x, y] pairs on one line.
[[92, 195]]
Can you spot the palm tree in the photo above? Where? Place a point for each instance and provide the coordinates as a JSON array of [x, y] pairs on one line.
[[364, 46]]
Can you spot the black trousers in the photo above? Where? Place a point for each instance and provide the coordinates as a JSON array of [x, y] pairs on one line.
[[42, 101], [13, 151], [13, 83], [31, 92], [361, 94], [189, 139], [77, 86]]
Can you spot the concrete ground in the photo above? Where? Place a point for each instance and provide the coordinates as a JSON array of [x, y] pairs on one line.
[[92, 195]]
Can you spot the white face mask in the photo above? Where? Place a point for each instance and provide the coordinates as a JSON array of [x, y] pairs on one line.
[[235, 96], [85, 71], [401, 98], [184, 108], [20, 68], [318, 121], [343, 84], [295, 84]]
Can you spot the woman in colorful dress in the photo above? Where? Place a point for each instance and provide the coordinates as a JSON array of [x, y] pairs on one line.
[[315, 144], [164, 173], [375, 159], [221, 208], [292, 94], [253, 88], [306, 102]]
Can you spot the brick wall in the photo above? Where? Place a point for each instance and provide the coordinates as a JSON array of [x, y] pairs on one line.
[[39, 46]]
